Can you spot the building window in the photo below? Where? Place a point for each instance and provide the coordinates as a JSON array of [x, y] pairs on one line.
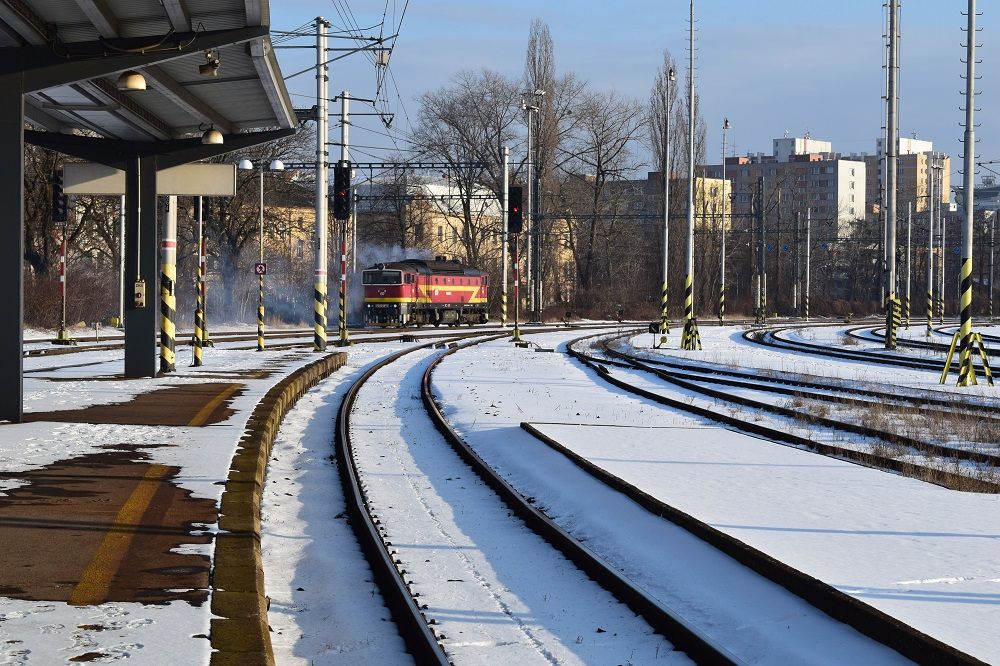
[[454, 234], [852, 183], [852, 173], [418, 232], [852, 210], [440, 233], [300, 248], [852, 198]]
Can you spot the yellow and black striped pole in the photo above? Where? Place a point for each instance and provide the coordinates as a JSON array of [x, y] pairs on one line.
[[322, 186], [689, 337], [664, 317], [930, 313], [722, 302], [199, 308], [966, 373], [168, 280]]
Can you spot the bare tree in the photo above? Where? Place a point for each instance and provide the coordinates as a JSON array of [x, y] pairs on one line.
[[598, 154], [471, 121]]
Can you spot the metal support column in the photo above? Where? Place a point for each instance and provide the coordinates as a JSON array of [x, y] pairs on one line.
[[168, 286], [966, 373], [805, 295], [12, 247], [665, 168], [503, 237], [140, 267], [909, 263], [892, 160], [322, 195], [121, 263], [199, 308], [690, 339]]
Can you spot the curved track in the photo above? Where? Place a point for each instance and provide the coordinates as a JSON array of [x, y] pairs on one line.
[[866, 619], [425, 644]]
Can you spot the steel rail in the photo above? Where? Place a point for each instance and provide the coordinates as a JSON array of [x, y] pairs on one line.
[[868, 620], [413, 627], [674, 628]]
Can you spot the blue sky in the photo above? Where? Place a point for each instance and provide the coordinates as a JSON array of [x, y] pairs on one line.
[[770, 65]]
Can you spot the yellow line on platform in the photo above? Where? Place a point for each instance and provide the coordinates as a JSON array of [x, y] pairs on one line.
[[96, 579], [202, 416]]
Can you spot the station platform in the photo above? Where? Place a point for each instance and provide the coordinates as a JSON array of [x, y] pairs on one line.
[[110, 495]]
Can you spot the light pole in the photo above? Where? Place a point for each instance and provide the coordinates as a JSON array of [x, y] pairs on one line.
[[260, 269], [722, 252]]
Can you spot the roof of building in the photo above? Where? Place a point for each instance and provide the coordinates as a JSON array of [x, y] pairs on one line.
[[247, 92]]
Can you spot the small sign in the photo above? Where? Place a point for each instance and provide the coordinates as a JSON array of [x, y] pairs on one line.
[[957, 250], [825, 246], [785, 248], [260, 268]]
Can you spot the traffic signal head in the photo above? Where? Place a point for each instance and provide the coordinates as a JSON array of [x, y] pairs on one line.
[[59, 199], [342, 191], [515, 215]]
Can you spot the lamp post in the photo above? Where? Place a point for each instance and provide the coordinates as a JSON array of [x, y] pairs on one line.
[[722, 252], [260, 269], [664, 318]]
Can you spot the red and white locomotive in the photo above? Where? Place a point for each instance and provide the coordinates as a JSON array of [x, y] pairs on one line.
[[417, 291]]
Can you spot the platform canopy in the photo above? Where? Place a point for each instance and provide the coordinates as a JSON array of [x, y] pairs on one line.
[[166, 41], [72, 71]]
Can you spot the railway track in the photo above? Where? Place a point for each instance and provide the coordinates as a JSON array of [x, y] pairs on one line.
[[866, 619], [521, 525], [904, 455]]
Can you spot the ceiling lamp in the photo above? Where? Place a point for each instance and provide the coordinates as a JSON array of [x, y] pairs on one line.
[[212, 137], [211, 66], [131, 80]]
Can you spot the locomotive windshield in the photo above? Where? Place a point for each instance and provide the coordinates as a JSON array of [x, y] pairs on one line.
[[382, 277]]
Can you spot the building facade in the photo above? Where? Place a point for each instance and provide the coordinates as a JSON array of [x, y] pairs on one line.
[[828, 186]]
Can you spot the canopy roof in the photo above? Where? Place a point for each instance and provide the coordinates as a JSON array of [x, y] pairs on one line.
[[248, 91]]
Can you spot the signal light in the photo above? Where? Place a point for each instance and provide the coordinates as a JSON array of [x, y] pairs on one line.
[[342, 191], [60, 202], [515, 215]]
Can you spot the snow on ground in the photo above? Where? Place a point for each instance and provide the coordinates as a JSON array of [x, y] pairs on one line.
[[49, 632], [497, 591], [859, 529], [325, 609], [489, 389]]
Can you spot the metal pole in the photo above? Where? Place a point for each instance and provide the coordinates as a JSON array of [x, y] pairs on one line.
[[529, 210], [260, 259], [722, 251], [168, 281], [805, 296], [966, 375], [690, 335], [536, 225], [322, 133], [930, 258], [199, 312], [345, 157], [517, 291], [664, 315], [503, 236], [909, 237], [993, 221], [63, 336], [892, 161], [759, 222], [121, 265], [943, 251], [798, 269]]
